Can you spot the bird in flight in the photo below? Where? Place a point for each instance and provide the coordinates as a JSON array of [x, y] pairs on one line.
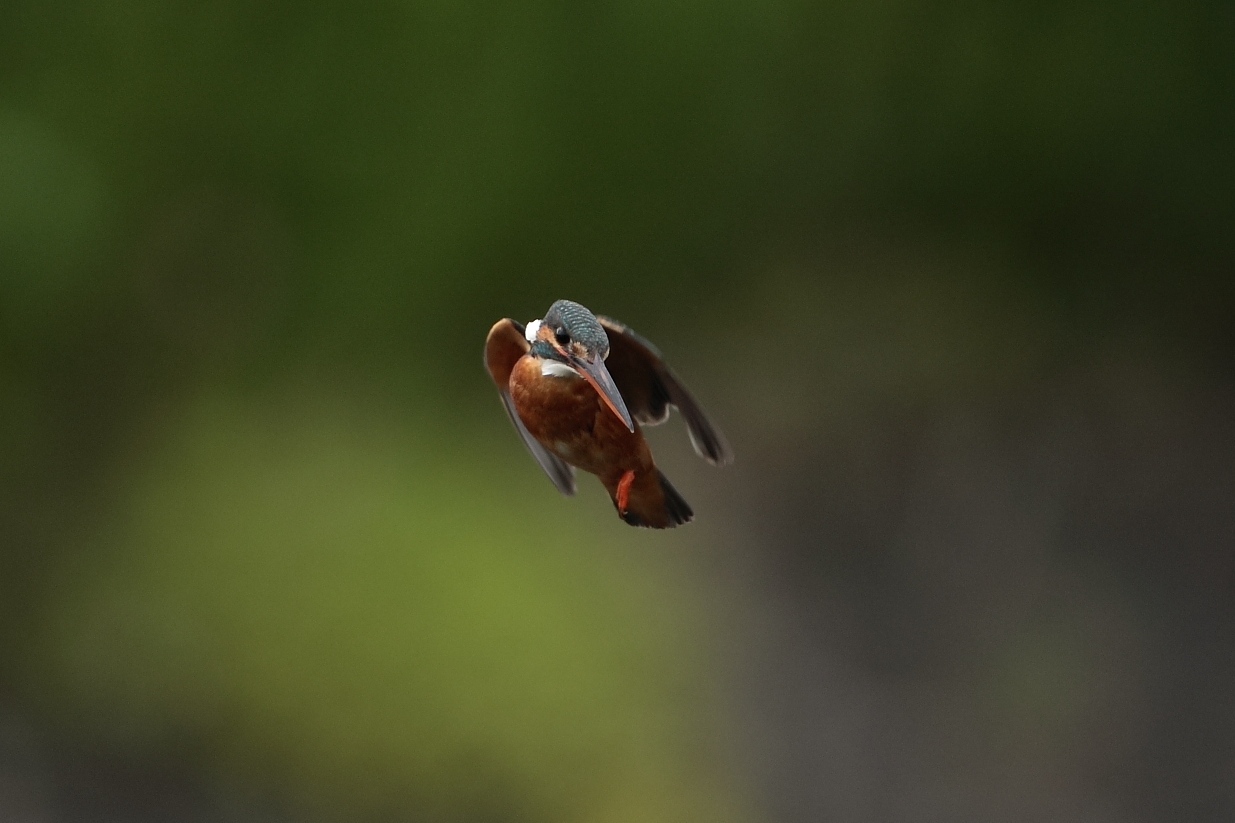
[[578, 387]]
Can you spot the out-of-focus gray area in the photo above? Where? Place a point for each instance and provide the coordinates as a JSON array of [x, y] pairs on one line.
[[954, 278]]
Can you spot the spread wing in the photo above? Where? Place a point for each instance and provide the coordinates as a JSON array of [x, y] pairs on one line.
[[650, 387], [503, 348]]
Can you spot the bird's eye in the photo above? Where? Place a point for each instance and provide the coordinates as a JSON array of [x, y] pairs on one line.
[[561, 336]]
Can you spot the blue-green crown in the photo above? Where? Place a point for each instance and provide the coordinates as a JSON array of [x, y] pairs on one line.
[[565, 317]]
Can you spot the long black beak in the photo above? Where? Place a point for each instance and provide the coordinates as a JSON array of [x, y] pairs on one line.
[[594, 372]]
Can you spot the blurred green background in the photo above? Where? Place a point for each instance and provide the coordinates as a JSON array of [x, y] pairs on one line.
[[954, 277]]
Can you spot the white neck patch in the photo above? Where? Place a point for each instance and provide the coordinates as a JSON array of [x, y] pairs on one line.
[[530, 330], [552, 368]]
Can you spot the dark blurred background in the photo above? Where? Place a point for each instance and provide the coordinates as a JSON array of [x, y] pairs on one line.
[[955, 278]]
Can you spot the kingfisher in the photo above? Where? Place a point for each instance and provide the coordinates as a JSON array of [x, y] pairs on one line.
[[577, 388]]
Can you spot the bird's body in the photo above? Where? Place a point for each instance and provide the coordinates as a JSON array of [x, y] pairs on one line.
[[571, 411], [567, 416]]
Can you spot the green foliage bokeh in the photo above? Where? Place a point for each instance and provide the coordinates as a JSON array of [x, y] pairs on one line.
[[259, 508]]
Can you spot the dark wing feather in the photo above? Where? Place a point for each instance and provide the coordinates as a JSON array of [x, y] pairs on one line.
[[649, 387], [503, 348]]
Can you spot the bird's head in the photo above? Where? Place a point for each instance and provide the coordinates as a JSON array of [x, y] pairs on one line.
[[571, 335]]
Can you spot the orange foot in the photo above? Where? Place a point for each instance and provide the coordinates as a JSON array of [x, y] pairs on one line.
[[623, 491]]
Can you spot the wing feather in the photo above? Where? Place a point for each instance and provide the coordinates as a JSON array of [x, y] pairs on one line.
[[503, 348], [650, 387]]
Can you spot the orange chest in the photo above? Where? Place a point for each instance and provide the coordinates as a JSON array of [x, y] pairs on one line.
[[552, 407], [567, 416]]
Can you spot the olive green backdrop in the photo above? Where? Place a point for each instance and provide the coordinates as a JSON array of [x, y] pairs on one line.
[[954, 277]]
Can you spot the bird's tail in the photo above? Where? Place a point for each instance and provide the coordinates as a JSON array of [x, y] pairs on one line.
[[649, 500]]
